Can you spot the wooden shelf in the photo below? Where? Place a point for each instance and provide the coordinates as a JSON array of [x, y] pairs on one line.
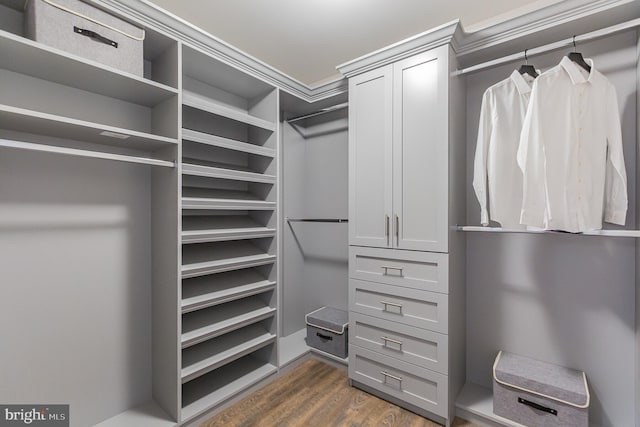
[[189, 168], [207, 291], [201, 260], [475, 404], [28, 57], [210, 355], [202, 103], [230, 144], [201, 229], [34, 122], [607, 233], [212, 322], [216, 387]]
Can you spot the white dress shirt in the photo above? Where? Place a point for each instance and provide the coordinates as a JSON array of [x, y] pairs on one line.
[[571, 152], [496, 175]]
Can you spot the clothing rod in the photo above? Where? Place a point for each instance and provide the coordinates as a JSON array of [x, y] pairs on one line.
[[317, 220], [551, 47], [84, 153], [317, 113]]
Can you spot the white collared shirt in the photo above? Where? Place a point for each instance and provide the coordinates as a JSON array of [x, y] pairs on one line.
[[496, 175], [571, 152]]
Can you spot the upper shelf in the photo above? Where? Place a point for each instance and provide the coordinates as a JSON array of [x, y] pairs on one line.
[[25, 56], [609, 233], [199, 102], [230, 144], [28, 121]]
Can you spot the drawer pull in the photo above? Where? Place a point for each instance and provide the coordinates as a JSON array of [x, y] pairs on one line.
[[386, 269], [388, 375], [538, 407], [388, 340], [387, 304]]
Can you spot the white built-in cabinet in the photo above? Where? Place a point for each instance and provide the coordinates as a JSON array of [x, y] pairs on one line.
[[406, 290], [398, 155]]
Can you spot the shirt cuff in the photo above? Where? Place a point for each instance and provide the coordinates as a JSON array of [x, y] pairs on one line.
[[484, 217], [532, 218], [615, 217]]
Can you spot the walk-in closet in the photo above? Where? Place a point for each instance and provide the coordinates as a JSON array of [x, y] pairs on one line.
[[175, 211]]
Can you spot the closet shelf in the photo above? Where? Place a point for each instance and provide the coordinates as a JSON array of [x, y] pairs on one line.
[[28, 57], [216, 387], [230, 144], [203, 292], [226, 204], [212, 354], [209, 323], [198, 102], [607, 233], [228, 264], [147, 415], [223, 173], [203, 236], [476, 402], [28, 121]]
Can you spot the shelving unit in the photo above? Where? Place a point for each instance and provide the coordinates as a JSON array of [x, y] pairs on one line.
[[229, 232], [608, 233]]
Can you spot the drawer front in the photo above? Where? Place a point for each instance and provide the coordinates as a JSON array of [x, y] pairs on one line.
[[418, 386], [422, 309], [418, 270], [407, 343]]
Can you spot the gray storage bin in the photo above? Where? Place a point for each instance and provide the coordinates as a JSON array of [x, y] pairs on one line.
[[327, 330], [84, 30], [535, 393]]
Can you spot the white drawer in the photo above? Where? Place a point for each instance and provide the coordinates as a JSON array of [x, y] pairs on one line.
[[419, 270], [418, 386], [422, 309], [407, 343]]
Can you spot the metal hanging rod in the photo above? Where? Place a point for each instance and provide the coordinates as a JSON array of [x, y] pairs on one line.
[[552, 46], [340, 220], [84, 153], [317, 113]]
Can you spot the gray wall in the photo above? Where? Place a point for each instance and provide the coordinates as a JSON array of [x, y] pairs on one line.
[[76, 286], [565, 299], [314, 186]]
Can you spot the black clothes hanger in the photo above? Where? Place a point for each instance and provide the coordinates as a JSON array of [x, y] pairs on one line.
[[578, 58], [526, 68]]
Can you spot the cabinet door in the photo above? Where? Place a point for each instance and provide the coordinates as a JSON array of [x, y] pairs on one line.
[[420, 152], [370, 163]]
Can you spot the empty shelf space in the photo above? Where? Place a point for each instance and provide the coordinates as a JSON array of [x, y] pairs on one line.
[[216, 170], [211, 389], [37, 60], [212, 354], [204, 198], [202, 103], [200, 229], [203, 325], [216, 289], [230, 144], [28, 121], [475, 403], [198, 260]]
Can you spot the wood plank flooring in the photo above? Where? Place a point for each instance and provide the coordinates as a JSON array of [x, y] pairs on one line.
[[317, 395]]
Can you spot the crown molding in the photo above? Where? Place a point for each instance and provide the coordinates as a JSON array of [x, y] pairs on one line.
[[419, 43], [551, 16], [151, 16]]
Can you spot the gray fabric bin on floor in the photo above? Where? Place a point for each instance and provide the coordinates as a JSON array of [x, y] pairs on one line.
[[86, 31], [327, 330], [536, 394]]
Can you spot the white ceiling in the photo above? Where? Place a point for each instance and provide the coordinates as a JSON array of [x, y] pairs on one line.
[[306, 39]]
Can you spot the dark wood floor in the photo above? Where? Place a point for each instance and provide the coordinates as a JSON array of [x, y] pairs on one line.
[[317, 395]]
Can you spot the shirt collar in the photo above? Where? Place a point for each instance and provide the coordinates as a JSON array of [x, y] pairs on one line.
[[521, 83], [574, 72]]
